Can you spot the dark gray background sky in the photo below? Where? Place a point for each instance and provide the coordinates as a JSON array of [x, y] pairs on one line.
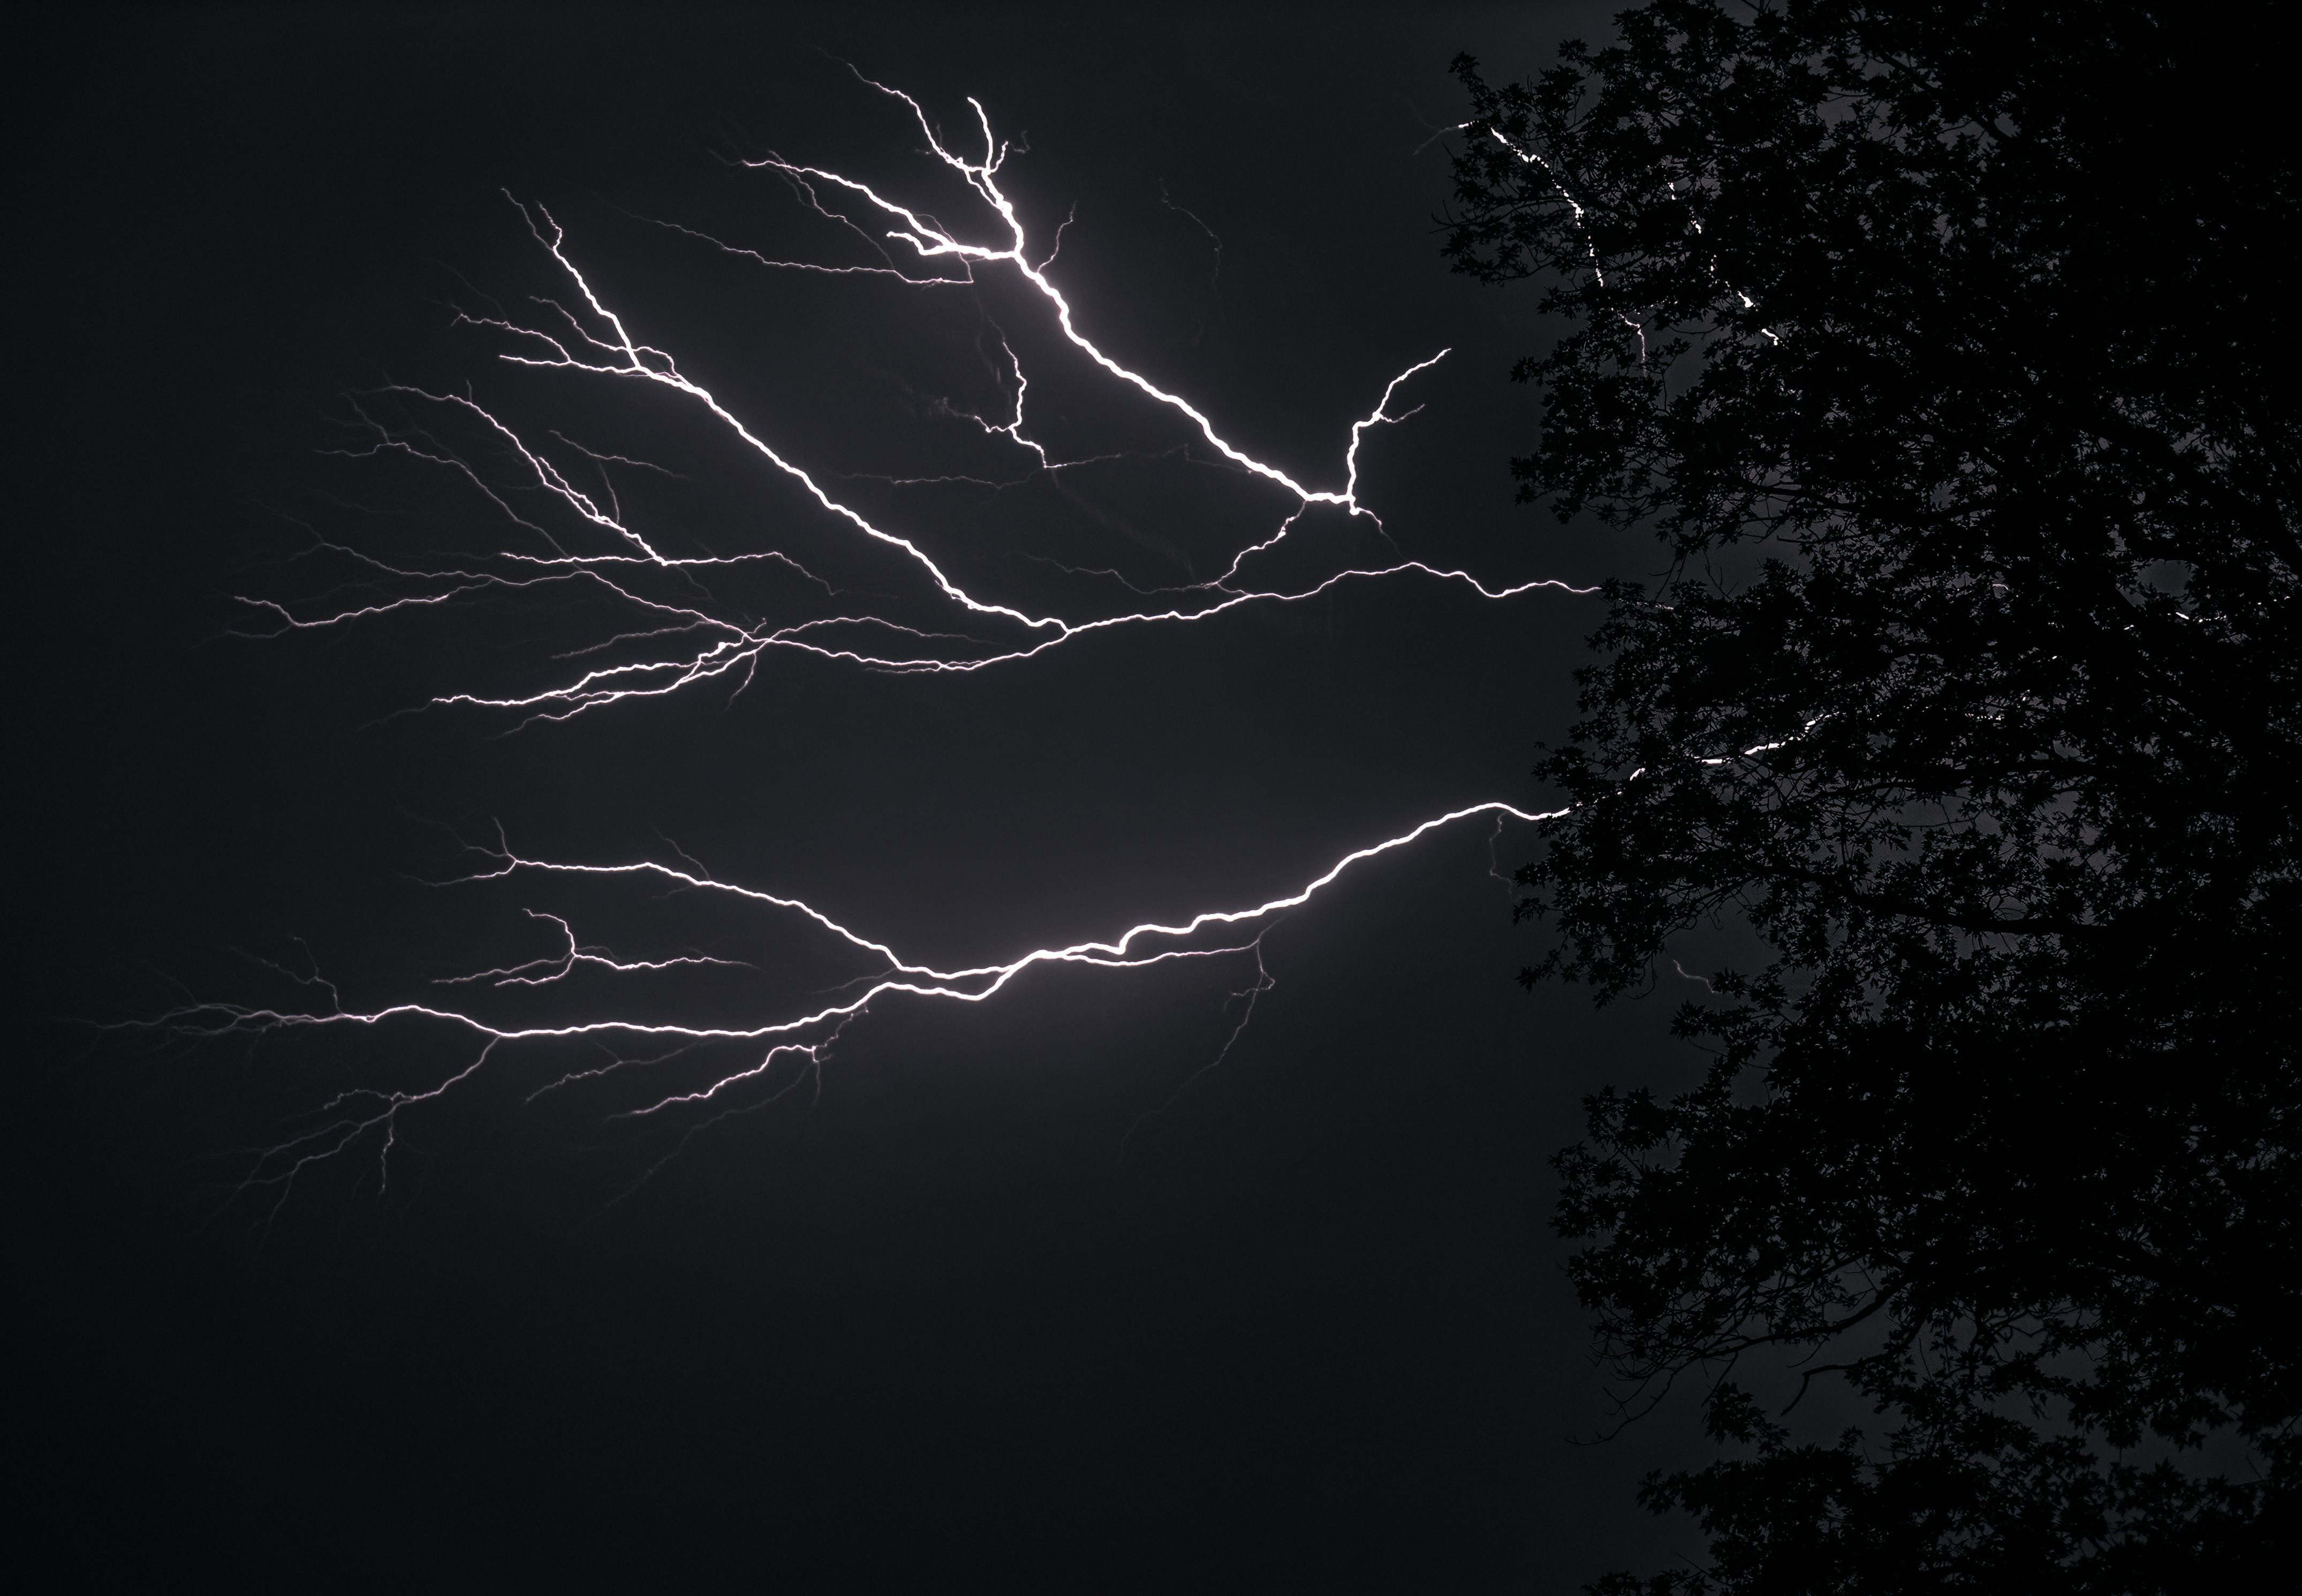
[[928, 1329]]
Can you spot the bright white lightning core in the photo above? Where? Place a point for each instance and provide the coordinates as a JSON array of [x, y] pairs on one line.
[[587, 336], [690, 640], [803, 1036]]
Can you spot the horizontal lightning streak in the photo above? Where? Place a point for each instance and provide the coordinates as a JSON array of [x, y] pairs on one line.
[[690, 638], [600, 343], [378, 1111]]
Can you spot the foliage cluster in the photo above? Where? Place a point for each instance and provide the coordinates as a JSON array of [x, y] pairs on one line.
[[1940, 346]]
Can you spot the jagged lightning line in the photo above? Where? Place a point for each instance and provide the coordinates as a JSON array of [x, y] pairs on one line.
[[365, 1111], [1530, 157], [599, 343], [593, 339], [933, 242]]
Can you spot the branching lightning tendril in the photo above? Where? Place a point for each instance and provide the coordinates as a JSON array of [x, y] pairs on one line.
[[706, 641]]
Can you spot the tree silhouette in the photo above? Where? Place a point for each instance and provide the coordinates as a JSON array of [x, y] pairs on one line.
[[1939, 345]]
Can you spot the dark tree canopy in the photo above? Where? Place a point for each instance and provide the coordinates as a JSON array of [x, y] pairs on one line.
[[1942, 346]]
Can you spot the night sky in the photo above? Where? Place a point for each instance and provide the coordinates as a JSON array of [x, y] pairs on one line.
[[1014, 1297]]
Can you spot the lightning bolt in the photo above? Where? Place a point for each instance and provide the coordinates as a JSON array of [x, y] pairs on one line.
[[684, 637], [1530, 157], [370, 1113], [586, 335]]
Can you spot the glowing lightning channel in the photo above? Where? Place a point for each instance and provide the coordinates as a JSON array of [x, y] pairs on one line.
[[698, 640], [1529, 157], [597, 341], [363, 1113]]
